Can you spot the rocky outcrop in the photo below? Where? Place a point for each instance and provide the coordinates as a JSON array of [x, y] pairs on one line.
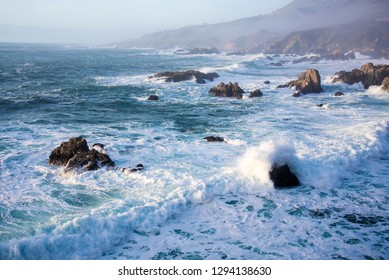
[[227, 90], [214, 139], [180, 76], [368, 75], [256, 93], [385, 84], [76, 155], [308, 82], [338, 93], [282, 177]]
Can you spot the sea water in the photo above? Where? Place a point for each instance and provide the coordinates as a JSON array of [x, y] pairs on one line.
[[194, 199]]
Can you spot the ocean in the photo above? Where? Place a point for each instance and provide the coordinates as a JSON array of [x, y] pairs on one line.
[[194, 199]]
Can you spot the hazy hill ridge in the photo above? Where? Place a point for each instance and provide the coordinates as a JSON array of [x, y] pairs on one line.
[[267, 32]]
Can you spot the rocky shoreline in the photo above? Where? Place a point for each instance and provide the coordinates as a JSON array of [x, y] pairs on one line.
[[75, 155]]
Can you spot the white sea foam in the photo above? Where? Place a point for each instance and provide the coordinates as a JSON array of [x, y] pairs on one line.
[[196, 199]]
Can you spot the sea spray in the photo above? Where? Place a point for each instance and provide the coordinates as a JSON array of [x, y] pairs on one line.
[[256, 163]]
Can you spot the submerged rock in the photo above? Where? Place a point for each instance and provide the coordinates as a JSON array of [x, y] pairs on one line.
[[339, 93], [214, 139], [282, 177], [180, 76], [369, 75], [227, 90], [278, 64], [297, 94], [153, 97]]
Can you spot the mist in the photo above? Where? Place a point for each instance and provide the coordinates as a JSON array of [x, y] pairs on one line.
[[98, 22]]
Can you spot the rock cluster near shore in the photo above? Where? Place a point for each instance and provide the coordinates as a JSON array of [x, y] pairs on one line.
[[369, 75], [180, 76]]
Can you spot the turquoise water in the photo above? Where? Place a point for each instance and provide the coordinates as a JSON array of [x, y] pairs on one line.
[[194, 200]]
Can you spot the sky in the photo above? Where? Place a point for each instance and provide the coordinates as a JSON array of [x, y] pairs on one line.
[[98, 21]]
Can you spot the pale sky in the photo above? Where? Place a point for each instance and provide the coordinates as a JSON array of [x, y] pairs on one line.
[[98, 21]]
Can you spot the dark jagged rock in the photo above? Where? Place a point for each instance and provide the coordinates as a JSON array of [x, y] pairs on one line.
[[227, 90], [266, 82], [368, 75], [214, 139], [75, 155], [308, 82], [282, 177], [180, 76], [153, 97], [283, 86], [88, 161], [297, 94], [256, 93], [385, 84], [62, 154], [339, 93]]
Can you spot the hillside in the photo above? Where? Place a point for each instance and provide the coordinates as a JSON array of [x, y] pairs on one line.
[[252, 33], [367, 37]]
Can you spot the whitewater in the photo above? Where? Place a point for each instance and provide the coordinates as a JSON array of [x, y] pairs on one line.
[[194, 199]]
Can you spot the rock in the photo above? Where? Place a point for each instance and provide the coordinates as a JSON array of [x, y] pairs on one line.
[[368, 75], [75, 155], [385, 84], [138, 168], [214, 139], [238, 53], [266, 82], [153, 97], [297, 94], [311, 59], [278, 64], [99, 147], [282, 177], [204, 51], [308, 82], [88, 161], [283, 86], [62, 154], [339, 93], [227, 90], [321, 105], [180, 76], [256, 93]]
